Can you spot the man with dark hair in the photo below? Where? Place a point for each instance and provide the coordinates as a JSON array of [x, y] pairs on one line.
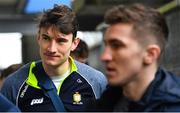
[[81, 52], [134, 41], [57, 83]]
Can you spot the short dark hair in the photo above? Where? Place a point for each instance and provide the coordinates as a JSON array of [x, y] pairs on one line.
[[81, 50], [62, 17], [9, 70], [145, 21]]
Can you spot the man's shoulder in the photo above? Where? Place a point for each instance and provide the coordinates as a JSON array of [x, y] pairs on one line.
[[21, 73], [90, 73], [166, 88], [168, 79], [86, 69], [13, 83], [94, 77], [6, 105], [15, 80]]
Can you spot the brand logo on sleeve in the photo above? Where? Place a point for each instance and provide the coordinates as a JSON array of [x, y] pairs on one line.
[[79, 81], [24, 91], [37, 101]]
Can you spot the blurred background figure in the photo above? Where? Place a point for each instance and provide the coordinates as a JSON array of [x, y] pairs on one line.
[[7, 71], [81, 53]]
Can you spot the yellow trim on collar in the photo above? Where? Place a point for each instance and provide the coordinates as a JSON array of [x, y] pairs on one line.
[[73, 69], [73, 65], [32, 81]]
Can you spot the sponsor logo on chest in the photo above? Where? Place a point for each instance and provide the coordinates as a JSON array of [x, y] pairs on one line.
[[37, 101]]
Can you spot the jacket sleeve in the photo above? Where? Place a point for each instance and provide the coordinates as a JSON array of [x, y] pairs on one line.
[[171, 107], [13, 83], [96, 78], [102, 82], [7, 90], [7, 106]]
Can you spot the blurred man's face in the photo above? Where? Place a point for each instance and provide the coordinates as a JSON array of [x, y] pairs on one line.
[[123, 56], [55, 46]]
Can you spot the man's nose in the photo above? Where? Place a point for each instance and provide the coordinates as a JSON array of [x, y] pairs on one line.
[[106, 55], [52, 46]]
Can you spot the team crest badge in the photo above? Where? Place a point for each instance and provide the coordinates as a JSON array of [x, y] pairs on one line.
[[77, 98]]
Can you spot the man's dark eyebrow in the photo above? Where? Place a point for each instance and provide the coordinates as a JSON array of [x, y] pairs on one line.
[[58, 39], [116, 41], [62, 39], [46, 35]]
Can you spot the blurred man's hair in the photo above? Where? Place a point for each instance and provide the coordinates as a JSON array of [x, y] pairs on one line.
[[81, 51], [7, 71], [148, 24], [61, 17]]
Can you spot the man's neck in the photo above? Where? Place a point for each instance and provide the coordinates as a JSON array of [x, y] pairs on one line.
[[57, 70], [136, 89]]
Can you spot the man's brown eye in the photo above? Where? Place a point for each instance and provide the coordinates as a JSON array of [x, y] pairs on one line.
[[45, 37], [62, 40], [115, 45]]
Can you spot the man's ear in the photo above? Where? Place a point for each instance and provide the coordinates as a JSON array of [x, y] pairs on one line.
[[152, 54], [75, 43]]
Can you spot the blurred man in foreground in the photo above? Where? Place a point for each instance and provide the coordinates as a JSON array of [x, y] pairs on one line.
[[134, 41]]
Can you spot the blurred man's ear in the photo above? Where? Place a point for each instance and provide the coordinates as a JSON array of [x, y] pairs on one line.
[[152, 54], [75, 43]]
